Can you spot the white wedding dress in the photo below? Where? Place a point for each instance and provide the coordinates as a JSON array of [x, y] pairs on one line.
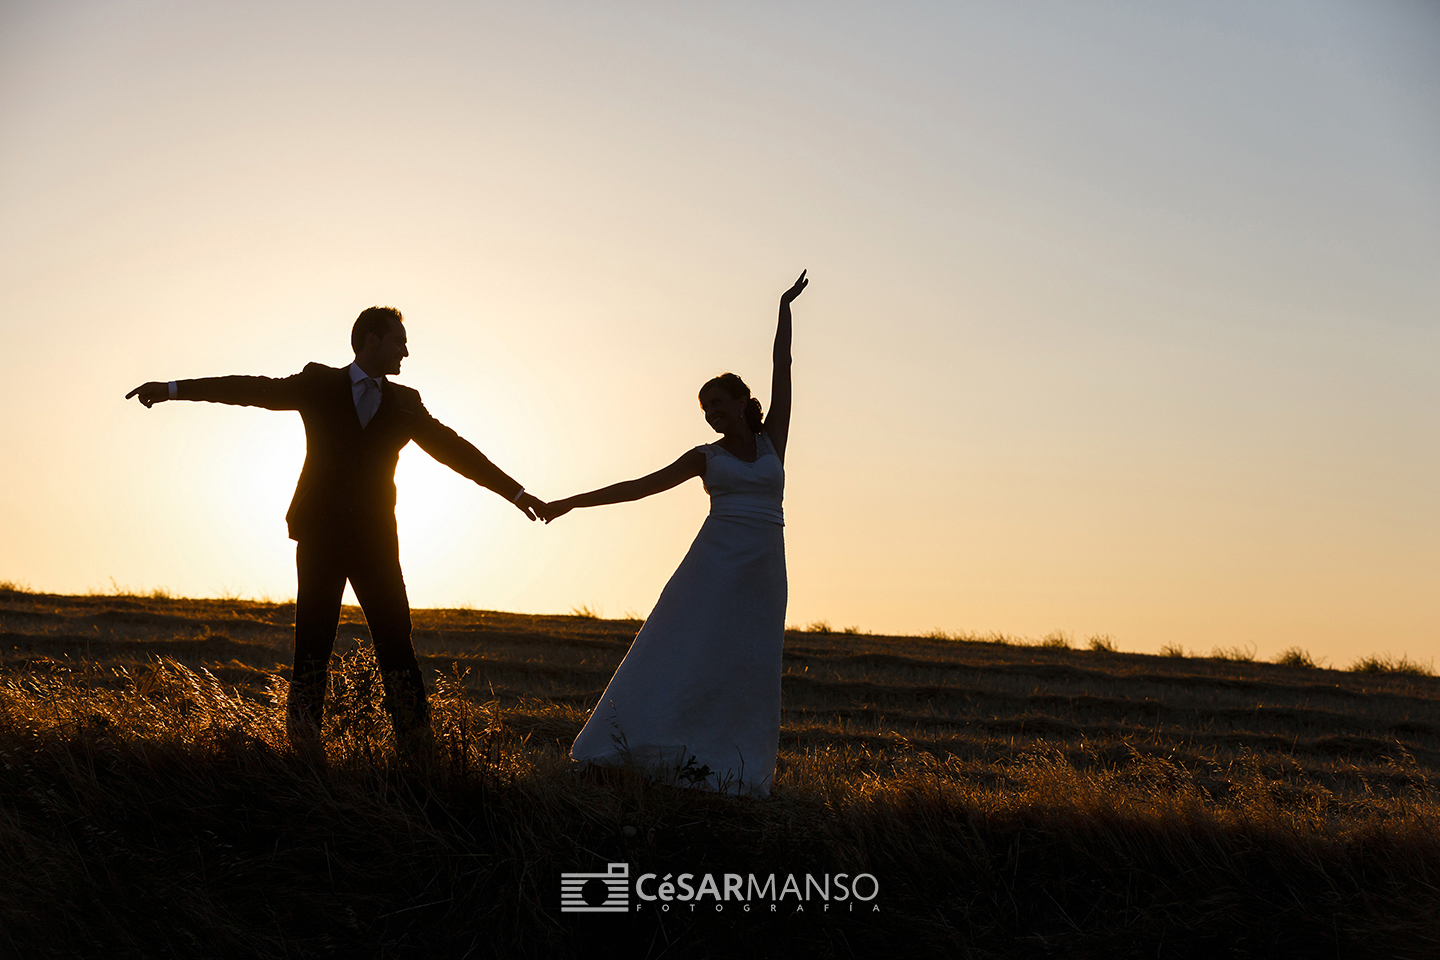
[[697, 697]]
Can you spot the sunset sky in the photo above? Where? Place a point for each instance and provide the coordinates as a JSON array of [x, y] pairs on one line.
[[1124, 319]]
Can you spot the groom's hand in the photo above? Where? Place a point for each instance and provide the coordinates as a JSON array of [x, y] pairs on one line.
[[150, 393], [530, 505]]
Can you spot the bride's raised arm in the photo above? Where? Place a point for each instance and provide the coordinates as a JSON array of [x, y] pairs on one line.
[[690, 464], [777, 421]]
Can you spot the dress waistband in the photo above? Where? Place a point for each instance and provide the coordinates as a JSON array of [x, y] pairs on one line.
[[733, 506]]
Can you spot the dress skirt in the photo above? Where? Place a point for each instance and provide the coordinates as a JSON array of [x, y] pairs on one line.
[[697, 698]]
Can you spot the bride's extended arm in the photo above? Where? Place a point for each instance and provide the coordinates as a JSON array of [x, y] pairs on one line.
[[690, 464], [777, 421]]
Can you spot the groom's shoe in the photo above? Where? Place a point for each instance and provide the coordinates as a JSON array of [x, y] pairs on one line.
[[409, 711], [305, 710]]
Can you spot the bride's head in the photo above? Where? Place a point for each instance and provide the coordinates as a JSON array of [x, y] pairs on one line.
[[728, 406]]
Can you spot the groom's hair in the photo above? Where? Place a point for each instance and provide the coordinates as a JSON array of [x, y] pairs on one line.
[[374, 320], [733, 385]]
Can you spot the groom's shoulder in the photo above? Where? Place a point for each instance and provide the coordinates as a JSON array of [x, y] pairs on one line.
[[409, 397], [409, 402], [319, 376]]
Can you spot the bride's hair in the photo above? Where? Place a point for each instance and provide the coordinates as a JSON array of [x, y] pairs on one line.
[[733, 385]]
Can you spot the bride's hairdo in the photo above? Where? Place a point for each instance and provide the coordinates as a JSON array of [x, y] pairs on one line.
[[733, 385]]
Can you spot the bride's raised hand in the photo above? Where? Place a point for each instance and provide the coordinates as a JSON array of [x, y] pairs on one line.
[[794, 291]]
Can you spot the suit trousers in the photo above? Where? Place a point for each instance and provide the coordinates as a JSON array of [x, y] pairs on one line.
[[370, 561]]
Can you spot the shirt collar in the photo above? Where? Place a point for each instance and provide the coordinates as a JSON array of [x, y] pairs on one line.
[[356, 375]]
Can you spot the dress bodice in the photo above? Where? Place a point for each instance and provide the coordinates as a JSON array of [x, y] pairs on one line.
[[740, 489]]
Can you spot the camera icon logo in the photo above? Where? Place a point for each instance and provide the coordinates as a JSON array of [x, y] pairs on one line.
[[607, 892]]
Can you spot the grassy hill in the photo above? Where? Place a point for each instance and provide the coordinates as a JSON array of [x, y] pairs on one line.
[[1009, 800]]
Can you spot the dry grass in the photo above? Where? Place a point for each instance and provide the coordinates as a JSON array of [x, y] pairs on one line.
[[1296, 657], [1102, 643], [1014, 801], [1389, 664]]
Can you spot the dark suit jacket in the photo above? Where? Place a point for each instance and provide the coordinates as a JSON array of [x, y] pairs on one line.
[[348, 482]]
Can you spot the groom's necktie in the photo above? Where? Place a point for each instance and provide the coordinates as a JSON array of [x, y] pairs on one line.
[[369, 401]]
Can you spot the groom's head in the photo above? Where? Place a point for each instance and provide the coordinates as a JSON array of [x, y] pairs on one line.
[[378, 339]]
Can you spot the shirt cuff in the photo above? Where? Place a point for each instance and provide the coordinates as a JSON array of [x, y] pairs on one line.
[[174, 391]]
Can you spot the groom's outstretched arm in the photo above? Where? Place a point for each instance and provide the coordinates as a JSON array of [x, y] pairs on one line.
[[284, 393], [464, 458]]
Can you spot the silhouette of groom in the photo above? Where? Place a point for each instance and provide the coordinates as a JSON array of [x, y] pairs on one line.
[[343, 514]]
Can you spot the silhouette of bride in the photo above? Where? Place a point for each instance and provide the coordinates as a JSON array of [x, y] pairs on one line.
[[698, 694]]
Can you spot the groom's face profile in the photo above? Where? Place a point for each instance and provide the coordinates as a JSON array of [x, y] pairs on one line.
[[382, 355]]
